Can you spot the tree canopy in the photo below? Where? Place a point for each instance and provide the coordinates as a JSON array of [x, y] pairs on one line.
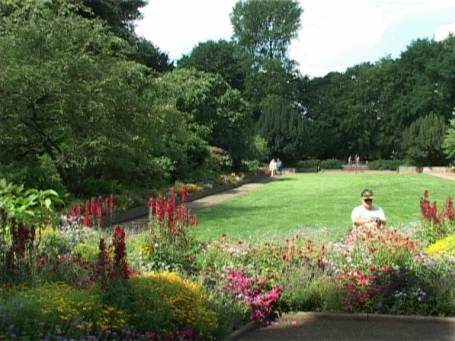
[[266, 28]]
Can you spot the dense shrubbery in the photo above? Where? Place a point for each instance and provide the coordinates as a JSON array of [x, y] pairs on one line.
[[436, 224], [385, 164], [331, 164], [304, 165], [315, 164]]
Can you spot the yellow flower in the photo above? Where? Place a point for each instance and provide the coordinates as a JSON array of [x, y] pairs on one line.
[[446, 245]]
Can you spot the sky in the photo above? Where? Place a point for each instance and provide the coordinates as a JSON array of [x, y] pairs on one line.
[[334, 34]]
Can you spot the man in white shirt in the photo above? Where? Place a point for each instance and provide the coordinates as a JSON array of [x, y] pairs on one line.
[[367, 212]]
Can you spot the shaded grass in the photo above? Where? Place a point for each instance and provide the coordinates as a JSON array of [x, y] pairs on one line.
[[321, 201]]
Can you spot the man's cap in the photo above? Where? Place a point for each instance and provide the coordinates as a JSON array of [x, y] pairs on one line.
[[366, 193]]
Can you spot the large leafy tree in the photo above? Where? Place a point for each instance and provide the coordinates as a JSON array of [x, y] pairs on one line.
[[219, 111], [149, 55], [266, 28], [222, 57], [449, 141], [69, 96], [423, 139], [284, 128], [119, 14]]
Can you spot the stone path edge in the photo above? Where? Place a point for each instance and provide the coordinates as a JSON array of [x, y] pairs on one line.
[[253, 325], [375, 317], [142, 211], [249, 327]]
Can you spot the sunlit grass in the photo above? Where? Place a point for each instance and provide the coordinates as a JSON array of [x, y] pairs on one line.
[[321, 201]]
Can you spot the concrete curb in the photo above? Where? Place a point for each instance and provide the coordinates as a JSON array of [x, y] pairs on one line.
[[373, 317], [249, 327], [253, 325]]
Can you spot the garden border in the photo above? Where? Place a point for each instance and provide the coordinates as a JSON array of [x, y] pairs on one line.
[[375, 317], [142, 211], [249, 327]]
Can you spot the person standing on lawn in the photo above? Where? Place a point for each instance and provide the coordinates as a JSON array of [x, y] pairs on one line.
[[272, 167], [367, 212]]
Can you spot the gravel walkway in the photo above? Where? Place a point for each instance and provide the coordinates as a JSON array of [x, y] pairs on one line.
[[345, 327]]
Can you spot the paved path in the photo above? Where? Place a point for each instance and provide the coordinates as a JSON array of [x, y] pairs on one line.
[[341, 327], [445, 175], [211, 200]]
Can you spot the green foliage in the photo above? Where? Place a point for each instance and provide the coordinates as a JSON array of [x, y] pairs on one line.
[[219, 57], [176, 303], [119, 15], [449, 141], [260, 149], [219, 112], [71, 98], [422, 141], [60, 309], [366, 109], [385, 164], [283, 127], [149, 55], [308, 164], [159, 302], [331, 164], [30, 207], [304, 292], [87, 251], [265, 28]]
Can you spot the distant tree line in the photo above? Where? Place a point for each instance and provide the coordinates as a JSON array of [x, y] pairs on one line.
[[88, 107]]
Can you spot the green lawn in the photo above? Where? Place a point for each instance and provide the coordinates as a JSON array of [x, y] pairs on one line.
[[315, 201]]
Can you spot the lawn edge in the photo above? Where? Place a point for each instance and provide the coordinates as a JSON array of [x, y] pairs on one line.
[[249, 327], [374, 317]]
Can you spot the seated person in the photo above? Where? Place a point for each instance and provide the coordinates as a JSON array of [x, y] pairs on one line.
[[367, 212]]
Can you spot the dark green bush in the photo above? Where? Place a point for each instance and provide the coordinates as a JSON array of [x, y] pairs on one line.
[[250, 166], [331, 164], [385, 164], [311, 165]]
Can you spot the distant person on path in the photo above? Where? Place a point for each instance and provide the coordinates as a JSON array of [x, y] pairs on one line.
[[278, 165], [272, 167], [367, 212], [349, 160]]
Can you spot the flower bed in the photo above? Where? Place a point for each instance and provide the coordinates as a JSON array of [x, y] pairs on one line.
[[85, 282]]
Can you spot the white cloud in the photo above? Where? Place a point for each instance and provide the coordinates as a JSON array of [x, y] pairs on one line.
[[331, 31], [176, 26], [334, 35], [443, 31]]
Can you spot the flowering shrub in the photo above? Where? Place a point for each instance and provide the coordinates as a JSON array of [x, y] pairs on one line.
[[169, 221], [60, 309], [372, 245], [358, 287], [91, 212], [436, 225], [161, 306], [190, 187], [443, 246], [120, 266], [253, 293], [166, 302], [23, 214]]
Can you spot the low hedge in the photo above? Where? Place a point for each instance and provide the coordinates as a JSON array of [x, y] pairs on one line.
[[307, 164], [314, 165], [385, 164], [331, 164]]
